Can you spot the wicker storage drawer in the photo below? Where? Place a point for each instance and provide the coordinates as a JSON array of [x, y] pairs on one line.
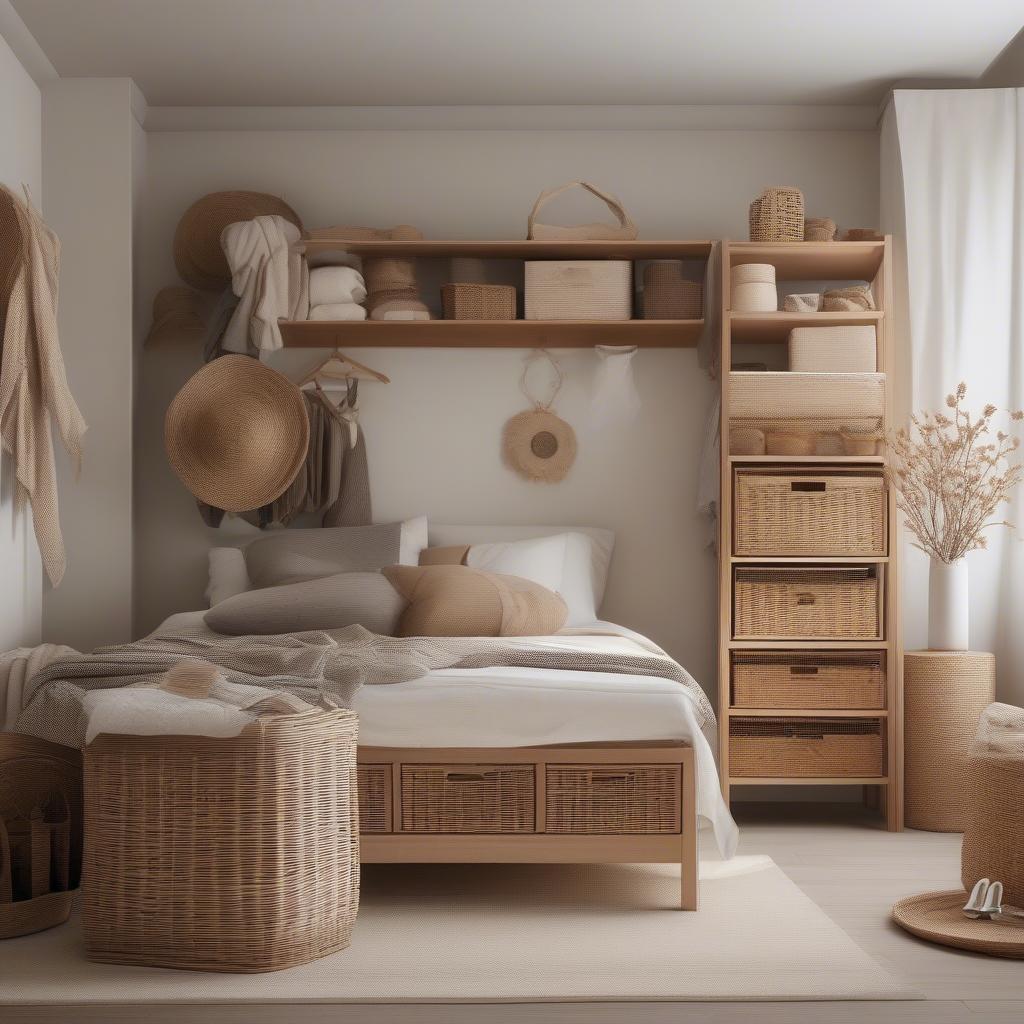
[[806, 748], [833, 602], [613, 799], [786, 679], [792, 513], [468, 798], [374, 797]]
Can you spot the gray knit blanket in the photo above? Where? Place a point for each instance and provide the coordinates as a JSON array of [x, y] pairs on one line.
[[325, 665]]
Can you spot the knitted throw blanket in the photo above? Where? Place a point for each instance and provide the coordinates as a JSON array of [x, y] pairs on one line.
[[333, 664]]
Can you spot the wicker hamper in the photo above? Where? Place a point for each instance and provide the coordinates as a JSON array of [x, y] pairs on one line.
[[833, 602], [578, 290], [806, 747], [787, 679], [471, 301], [792, 513], [236, 854]]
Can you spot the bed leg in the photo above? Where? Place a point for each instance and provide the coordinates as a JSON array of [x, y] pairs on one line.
[[689, 834]]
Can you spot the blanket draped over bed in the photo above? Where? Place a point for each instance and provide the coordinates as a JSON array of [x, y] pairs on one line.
[[331, 664]]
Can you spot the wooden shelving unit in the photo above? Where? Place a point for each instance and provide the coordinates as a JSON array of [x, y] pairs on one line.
[[501, 333], [811, 262]]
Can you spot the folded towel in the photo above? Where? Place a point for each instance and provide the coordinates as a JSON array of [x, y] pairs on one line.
[[337, 311], [329, 285]]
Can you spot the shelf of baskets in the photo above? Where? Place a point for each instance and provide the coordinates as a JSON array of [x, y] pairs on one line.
[[810, 689]]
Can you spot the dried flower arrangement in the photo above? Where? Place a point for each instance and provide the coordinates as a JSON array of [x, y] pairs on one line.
[[951, 478]]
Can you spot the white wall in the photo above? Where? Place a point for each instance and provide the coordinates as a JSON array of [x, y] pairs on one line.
[[89, 140], [433, 433], [20, 162]]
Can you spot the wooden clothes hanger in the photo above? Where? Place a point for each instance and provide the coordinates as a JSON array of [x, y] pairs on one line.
[[339, 367]]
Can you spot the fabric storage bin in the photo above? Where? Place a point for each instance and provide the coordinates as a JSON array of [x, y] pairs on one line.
[[578, 290], [613, 799], [374, 797], [806, 747], [782, 512], [468, 798], [233, 854], [787, 679], [472, 301], [792, 603], [668, 295], [833, 349]]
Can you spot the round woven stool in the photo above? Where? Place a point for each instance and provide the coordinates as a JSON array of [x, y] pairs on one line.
[[944, 694]]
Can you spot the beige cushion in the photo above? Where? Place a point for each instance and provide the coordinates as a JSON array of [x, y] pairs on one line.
[[455, 600], [454, 555], [333, 602]]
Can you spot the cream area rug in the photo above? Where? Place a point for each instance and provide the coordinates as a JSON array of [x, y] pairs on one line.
[[521, 933]]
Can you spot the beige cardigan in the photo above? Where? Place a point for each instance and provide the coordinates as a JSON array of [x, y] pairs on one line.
[[33, 385]]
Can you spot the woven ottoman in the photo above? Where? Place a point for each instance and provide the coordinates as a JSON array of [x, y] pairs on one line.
[[237, 854]]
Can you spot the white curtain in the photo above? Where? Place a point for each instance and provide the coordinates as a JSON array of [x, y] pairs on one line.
[[953, 196]]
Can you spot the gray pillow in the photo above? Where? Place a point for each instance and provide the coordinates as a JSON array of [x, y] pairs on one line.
[[291, 556], [332, 602]]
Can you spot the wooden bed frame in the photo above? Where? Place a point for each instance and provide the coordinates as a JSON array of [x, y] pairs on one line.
[[441, 805]]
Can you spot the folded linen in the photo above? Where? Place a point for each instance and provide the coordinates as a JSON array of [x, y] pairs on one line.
[[328, 285], [337, 311]]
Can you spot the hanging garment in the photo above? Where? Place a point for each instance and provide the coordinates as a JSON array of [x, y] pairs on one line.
[[349, 481], [33, 384]]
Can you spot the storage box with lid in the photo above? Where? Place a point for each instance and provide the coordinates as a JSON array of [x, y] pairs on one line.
[[806, 748], [578, 289], [752, 288]]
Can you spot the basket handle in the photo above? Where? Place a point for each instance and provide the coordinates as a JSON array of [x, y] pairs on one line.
[[803, 670], [807, 486], [805, 599], [465, 776], [612, 778], [626, 226]]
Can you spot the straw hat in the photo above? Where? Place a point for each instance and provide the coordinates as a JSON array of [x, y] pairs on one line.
[[237, 433], [197, 250], [539, 445]]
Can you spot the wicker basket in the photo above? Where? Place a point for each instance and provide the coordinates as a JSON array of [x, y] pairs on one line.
[[578, 290], [670, 296], [468, 798], [850, 349], [819, 229], [785, 679], [374, 797], [467, 301], [746, 441], [777, 215], [613, 799], [837, 602], [855, 299], [806, 748], [235, 854], [779, 512]]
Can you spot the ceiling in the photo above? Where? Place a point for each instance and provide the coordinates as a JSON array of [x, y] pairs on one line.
[[523, 52]]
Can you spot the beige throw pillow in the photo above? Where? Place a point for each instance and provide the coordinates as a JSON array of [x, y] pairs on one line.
[[454, 600]]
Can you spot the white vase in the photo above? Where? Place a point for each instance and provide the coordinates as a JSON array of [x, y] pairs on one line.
[[948, 609]]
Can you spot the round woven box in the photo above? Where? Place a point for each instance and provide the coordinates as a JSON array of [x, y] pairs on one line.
[[944, 695]]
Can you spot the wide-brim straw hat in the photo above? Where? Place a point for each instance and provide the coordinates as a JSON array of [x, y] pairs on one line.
[[539, 445], [939, 917], [198, 254], [237, 433]]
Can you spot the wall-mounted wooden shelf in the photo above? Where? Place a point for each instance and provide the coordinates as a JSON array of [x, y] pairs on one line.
[[811, 460], [807, 713], [754, 780], [654, 249], [490, 333], [813, 261], [774, 328]]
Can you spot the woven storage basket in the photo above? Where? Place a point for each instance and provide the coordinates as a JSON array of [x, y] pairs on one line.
[[801, 302], [752, 273], [746, 441], [837, 603], [578, 290], [944, 695], [468, 798], [467, 301], [779, 512], [612, 799], [993, 846], [777, 215], [833, 349], [236, 854], [819, 229], [374, 797], [806, 747], [855, 299], [786, 679], [834, 396], [670, 296]]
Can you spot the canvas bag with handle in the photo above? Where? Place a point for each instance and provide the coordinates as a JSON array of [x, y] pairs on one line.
[[625, 231]]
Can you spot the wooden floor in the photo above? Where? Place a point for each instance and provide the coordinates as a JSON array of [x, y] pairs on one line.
[[849, 866]]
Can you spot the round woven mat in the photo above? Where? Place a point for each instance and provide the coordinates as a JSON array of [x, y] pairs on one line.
[[237, 433], [539, 445], [197, 250], [938, 917]]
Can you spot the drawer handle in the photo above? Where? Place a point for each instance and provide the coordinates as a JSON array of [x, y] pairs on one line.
[[805, 599], [613, 780], [803, 670], [807, 485], [798, 734], [465, 776]]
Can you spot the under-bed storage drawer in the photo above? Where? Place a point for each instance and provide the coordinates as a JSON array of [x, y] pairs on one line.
[[790, 679], [456, 798], [374, 782], [613, 799], [806, 748]]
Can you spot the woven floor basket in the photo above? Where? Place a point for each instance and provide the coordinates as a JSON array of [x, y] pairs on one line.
[[994, 832], [806, 748], [763, 679], [469, 301], [777, 215], [235, 854]]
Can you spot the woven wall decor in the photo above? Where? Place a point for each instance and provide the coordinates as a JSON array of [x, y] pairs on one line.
[[537, 444]]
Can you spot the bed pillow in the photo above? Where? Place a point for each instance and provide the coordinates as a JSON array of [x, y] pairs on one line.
[[331, 602], [291, 556], [228, 575], [456, 600], [585, 568]]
